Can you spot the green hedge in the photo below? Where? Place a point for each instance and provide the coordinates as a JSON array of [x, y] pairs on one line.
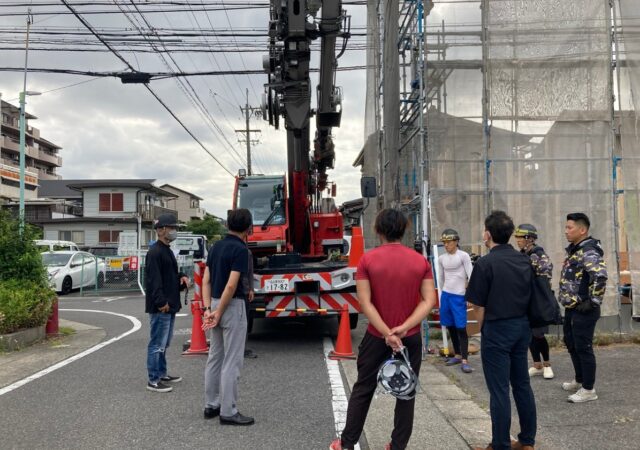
[[23, 305], [19, 256]]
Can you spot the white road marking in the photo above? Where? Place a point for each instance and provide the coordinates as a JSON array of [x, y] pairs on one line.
[[108, 299], [339, 400], [181, 315], [136, 326]]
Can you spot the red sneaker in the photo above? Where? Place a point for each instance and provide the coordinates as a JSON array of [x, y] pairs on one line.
[[336, 444], [387, 446]]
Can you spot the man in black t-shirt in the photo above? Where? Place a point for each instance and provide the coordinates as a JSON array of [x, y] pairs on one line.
[[500, 285], [225, 315]]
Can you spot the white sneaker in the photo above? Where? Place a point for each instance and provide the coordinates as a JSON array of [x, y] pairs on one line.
[[571, 386], [548, 373], [534, 372], [583, 395]]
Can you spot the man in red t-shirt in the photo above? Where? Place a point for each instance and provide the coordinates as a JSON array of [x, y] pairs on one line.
[[396, 292]]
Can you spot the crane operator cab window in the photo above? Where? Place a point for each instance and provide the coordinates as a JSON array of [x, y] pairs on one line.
[[264, 197]]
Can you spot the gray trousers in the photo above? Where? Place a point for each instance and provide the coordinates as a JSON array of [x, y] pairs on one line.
[[226, 357]]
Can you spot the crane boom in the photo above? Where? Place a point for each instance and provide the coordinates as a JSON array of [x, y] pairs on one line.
[[288, 94]]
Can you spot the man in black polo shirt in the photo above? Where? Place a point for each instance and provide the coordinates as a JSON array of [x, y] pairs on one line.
[[225, 315], [500, 285]]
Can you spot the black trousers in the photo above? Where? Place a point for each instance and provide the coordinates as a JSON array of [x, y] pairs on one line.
[[578, 337], [371, 354]]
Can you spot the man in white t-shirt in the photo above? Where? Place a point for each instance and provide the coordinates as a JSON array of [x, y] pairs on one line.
[[455, 271]]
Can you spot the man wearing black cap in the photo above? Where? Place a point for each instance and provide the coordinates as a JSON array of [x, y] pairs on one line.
[[163, 284]]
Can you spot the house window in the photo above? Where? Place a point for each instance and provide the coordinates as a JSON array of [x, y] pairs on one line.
[[73, 236], [111, 202], [108, 236]]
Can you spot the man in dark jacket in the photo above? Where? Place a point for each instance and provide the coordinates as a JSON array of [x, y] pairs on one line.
[[582, 284], [163, 284]]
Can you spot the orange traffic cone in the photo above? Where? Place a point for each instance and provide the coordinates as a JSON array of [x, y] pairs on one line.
[[343, 350], [357, 246], [198, 344]]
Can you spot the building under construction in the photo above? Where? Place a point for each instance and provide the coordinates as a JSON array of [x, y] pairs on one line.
[[524, 106]]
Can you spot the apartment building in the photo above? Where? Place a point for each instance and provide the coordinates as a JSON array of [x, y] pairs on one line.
[[41, 156], [186, 203]]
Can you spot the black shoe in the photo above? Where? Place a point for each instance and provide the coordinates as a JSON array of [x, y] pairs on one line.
[[210, 413], [170, 379], [248, 353], [159, 387], [236, 419]]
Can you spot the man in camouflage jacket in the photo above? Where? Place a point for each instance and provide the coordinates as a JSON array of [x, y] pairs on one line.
[[582, 286]]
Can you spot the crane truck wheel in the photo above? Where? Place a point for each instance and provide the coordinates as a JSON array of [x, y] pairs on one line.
[[353, 320], [250, 322]]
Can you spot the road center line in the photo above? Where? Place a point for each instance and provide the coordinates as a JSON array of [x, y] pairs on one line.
[[339, 401], [136, 326]]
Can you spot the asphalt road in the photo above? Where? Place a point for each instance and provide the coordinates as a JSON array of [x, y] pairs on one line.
[[100, 401]]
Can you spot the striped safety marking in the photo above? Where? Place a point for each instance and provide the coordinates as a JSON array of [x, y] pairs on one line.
[[285, 305]]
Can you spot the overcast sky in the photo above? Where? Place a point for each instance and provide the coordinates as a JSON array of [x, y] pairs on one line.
[[110, 130]]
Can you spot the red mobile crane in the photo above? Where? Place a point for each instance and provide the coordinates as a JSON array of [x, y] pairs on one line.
[[297, 239]]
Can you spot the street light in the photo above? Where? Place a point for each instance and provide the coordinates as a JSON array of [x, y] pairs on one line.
[[23, 96]]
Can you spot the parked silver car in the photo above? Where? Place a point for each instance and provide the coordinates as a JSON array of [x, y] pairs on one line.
[[73, 269]]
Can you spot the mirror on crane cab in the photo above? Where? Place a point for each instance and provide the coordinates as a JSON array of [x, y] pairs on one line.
[[368, 187]]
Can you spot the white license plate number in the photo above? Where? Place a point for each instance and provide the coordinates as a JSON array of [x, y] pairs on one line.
[[276, 285]]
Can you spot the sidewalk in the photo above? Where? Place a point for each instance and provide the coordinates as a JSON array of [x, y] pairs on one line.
[[611, 422], [17, 365], [445, 416]]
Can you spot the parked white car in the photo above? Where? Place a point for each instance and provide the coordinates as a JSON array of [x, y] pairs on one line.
[[71, 270], [47, 245]]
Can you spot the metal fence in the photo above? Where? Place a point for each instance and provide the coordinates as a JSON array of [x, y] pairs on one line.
[[118, 273]]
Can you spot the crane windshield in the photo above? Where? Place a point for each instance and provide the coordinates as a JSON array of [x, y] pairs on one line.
[[264, 197]]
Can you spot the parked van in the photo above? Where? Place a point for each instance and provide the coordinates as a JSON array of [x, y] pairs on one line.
[[187, 244], [45, 245]]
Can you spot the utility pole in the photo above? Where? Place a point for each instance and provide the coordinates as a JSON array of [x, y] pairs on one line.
[[248, 111], [23, 94]]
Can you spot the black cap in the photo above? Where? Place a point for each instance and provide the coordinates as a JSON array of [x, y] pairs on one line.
[[166, 220]]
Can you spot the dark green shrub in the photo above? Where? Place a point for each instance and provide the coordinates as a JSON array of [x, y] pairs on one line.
[[19, 257], [23, 305]]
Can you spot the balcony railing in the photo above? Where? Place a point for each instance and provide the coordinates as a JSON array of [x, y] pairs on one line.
[[50, 158], [152, 212]]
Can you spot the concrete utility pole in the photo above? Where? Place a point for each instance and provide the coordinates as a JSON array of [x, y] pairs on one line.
[[23, 95], [248, 110]]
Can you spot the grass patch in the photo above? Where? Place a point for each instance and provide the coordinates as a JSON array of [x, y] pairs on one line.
[[600, 339], [435, 334], [66, 331]]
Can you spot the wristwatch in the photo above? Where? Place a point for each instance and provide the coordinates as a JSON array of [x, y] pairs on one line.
[[208, 308]]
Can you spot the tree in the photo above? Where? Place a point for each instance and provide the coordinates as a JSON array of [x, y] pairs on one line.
[[210, 226]]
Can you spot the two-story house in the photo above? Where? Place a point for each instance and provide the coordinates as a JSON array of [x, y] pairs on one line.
[[186, 203], [109, 207]]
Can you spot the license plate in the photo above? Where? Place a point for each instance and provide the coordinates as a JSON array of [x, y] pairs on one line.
[[276, 285]]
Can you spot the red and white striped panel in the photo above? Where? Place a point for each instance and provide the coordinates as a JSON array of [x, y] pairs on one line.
[[285, 305]]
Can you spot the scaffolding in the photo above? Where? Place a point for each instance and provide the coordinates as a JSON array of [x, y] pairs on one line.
[[509, 104]]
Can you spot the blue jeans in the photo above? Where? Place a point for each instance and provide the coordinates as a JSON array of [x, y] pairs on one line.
[[504, 361], [161, 332]]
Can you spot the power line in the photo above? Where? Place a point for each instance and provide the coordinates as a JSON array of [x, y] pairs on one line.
[[166, 107]]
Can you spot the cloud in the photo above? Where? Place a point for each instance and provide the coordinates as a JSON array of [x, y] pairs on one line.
[[110, 130]]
